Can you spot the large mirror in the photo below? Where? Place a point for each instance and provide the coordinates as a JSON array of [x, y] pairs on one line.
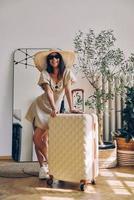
[[25, 91]]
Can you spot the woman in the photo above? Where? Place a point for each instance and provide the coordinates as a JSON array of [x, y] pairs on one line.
[[55, 80]]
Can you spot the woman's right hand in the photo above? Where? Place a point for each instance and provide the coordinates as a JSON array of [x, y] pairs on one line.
[[54, 113]]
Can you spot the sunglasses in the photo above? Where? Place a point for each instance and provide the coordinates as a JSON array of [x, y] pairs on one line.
[[50, 57]]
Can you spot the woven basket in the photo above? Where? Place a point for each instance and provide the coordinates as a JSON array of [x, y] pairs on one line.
[[125, 152], [107, 158], [125, 158]]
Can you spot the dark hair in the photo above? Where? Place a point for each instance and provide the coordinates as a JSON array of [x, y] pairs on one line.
[[61, 66]]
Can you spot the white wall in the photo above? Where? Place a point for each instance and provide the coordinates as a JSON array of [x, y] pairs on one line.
[[52, 23]]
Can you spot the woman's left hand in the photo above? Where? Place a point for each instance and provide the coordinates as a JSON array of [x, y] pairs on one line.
[[76, 111]]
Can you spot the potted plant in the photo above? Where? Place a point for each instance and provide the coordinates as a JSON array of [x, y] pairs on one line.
[[102, 64], [125, 135]]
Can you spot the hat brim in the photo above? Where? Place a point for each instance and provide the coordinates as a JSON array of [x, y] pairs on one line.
[[40, 58]]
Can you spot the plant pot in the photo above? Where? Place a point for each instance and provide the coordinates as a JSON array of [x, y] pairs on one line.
[[107, 155], [125, 152], [123, 145]]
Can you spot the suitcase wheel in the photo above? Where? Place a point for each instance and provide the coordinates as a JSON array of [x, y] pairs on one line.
[[93, 182], [50, 181], [82, 186]]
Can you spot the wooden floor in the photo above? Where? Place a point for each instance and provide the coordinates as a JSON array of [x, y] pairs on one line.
[[112, 184]]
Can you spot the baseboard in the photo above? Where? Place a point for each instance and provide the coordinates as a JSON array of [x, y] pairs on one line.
[[5, 157]]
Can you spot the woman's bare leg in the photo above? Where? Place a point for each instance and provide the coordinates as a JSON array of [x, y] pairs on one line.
[[40, 139]]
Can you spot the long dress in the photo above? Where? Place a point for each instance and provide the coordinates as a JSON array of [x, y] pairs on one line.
[[39, 111]]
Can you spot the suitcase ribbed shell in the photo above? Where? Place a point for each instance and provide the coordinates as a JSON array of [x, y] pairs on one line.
[[73, 147]]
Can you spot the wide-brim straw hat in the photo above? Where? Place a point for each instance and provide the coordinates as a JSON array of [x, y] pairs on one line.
[[40, 58]]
